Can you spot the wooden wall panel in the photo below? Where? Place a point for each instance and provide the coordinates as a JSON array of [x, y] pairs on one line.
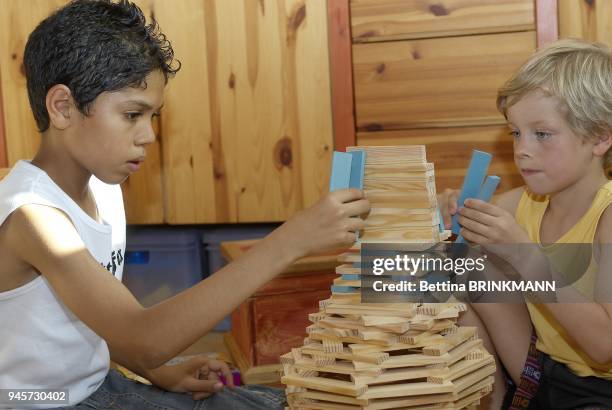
[[381, 20], [142, 191], [17, 20], [341, 67], [248, 129], [450, 150], [3, 160], [435, 82], [189, 188], [590, 20]]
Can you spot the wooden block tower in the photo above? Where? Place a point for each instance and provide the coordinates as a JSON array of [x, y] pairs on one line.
[[387, 355]]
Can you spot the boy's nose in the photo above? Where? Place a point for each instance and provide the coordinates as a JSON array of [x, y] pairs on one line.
[[147, 136], [522, 148]]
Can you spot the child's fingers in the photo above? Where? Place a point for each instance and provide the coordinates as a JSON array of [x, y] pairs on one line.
[[473, 226], [203, 386], [219, 366], [356, 208], [483, 206], [477, 216], [355, 224], [473, 237], [347, 195]]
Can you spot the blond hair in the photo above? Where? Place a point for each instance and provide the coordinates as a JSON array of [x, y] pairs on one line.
[[579, 74]]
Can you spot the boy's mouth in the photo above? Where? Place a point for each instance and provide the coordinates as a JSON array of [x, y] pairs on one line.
[[528, 172], [134, 165]]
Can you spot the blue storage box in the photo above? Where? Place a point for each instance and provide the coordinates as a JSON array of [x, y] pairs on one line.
[[211, 240], [161, 262]]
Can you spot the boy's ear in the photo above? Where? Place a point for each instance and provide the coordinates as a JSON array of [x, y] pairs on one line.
[[60, 106], [603, 145]]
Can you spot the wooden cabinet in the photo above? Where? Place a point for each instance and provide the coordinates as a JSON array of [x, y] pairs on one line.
[[436, 83], [427, 72], [246, 132], [274, 319]]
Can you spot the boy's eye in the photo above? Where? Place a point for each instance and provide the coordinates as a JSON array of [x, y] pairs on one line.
[[542, 135], [132, 115], [514, 134]]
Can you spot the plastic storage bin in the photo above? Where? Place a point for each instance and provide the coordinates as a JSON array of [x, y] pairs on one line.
[[161, 262], [211, 240]]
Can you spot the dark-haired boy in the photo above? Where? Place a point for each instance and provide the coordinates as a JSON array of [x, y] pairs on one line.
[[96, 75]]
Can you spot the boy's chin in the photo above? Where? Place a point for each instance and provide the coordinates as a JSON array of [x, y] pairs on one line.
[[112, 179]]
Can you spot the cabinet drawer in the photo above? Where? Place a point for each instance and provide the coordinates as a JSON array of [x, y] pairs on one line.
[[441, 82], [376, 20]]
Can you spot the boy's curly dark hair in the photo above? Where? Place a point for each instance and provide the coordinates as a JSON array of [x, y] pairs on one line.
[[92, 46]]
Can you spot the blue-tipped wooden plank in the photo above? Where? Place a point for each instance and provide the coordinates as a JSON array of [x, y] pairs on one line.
[[474, 178], [350, 276], [488, 188], [344, 289], [341, 171], [485, 194], [357, 169]]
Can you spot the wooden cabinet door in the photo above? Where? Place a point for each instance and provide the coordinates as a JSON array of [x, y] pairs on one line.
[[427, 72], [246, 129]]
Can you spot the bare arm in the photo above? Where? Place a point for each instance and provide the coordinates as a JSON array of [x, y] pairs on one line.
[[146, 338], [590, 324]]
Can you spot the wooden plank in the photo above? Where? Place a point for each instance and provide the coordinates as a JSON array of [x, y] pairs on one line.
[[17, 20], [272, 85], [376, 20], [341, 73], [3, 159], [142, 191], [314, 107], [546, 22], [450, 150], [231, 250], [589, 20], [190, 186], [440, 82]]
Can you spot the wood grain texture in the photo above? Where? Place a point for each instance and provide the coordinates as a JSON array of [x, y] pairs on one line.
[[3, 160], [17, 20], [188, 177], [450, 150], [382, 20], [247, 136], [340, 60], [546, 22], [280, 322], [440, 82], [142, 191], [589, 20]]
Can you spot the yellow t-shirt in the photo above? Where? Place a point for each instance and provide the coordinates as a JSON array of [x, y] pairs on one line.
[[552, 338]]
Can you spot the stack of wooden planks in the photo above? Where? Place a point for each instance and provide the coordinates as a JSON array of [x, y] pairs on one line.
[[409, 355]]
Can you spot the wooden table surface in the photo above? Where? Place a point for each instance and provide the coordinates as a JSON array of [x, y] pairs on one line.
[[320, 262]]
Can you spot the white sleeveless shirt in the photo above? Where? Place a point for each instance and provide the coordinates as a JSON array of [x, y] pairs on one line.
[[43, 345]]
